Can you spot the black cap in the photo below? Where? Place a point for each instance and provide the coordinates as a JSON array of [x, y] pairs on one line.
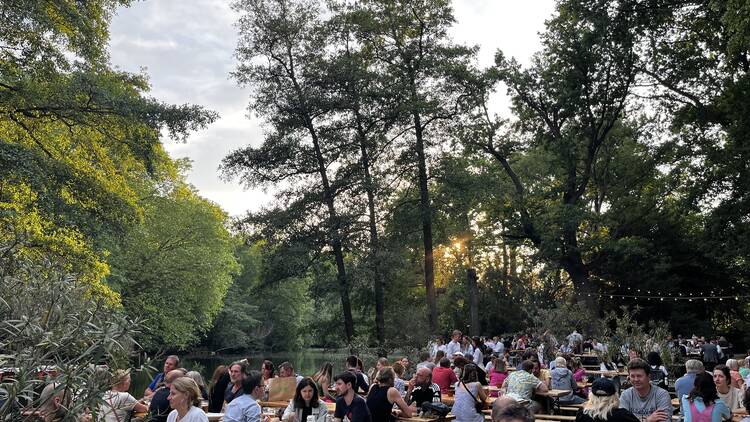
[[603, 387]]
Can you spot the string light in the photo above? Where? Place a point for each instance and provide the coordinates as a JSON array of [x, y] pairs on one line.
[[680, 296]]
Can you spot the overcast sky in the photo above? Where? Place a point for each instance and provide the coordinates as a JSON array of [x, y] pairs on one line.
[[186, 48]]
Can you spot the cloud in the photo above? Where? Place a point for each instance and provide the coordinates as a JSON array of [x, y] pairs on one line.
[[187, 50]]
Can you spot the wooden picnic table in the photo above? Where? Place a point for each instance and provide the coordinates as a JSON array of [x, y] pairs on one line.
[[450, 400], [274, 404], [448, 417], [618, 373], [738, 415], [554, 395]]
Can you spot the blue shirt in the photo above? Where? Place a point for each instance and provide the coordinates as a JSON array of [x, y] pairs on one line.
[[719, 413], [684, 385], [157, 379], [243, 409]]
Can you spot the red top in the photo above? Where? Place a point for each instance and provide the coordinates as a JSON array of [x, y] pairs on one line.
[[444, 377]]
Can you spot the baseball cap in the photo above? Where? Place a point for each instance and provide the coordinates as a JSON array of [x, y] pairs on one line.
[[603, 387]]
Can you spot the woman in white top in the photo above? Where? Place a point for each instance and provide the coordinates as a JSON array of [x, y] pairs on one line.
[[118, 403], [477, 356], [305, 403], [731, 396], [185, 399]]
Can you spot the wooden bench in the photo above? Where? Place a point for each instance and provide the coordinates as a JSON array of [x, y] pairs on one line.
[[546, 417]]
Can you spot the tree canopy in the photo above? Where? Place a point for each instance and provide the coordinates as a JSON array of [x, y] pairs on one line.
[[403, 204]]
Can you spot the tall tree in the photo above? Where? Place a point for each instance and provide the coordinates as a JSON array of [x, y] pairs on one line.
[[76, 137], [409, 40], [369, 111], [279, 52], [697, 69], [567, 104]]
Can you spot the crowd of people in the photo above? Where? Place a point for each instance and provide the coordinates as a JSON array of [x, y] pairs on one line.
[[522, 368]]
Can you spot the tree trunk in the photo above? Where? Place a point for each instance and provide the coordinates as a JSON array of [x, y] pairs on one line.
[[374, 241], [334, 231], [506, 266], [335, 235], [513, 264], [572, 263], [426, 214], [471, 282]]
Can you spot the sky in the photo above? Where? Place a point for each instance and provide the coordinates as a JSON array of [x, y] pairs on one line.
[[186, 48]]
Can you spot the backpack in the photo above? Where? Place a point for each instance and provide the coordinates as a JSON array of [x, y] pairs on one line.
[[436, 409], [657, 377]]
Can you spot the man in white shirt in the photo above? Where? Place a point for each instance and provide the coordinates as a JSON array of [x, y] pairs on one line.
[[499, 348], [455, 344]]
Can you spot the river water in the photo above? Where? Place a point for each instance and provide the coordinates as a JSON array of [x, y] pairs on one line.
[[305, 362]]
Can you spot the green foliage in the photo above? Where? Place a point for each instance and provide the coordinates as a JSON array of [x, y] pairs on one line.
[[175, 268], [86, 180], [621, 331], [50, 320]]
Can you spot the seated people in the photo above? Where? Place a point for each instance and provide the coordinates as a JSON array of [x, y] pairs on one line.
[[379, 365], [562, 379], [444, 376], [461, 361], [237, 371], [117, 402], [657, 405], [245, 407], [513, 412], [521, 385], [348, 404], [219, 383], [684, 385], [731, 396], [185, 399], [159, 408], [579, 374], [170, 363], [421, 389], [424, 360], [399, 382], [383, 396], [268, 371], [54, 402], [323, 380], [658, 373], [361, 385], [703, 404], [734, 372], [468, 393], [498, 374], [609, 369], [604, 405], [198, 378], [286, 370], [305, 403]]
